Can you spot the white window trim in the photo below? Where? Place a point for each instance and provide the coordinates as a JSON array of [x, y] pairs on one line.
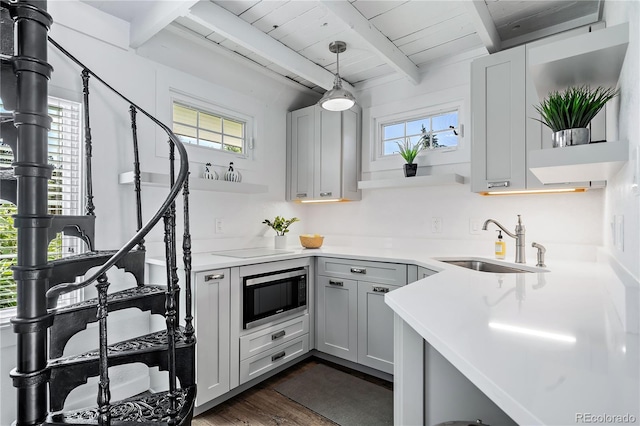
[[204, 106], [444, 100], [401, 118]]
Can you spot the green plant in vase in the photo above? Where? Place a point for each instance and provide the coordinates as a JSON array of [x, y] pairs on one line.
[[568, 113], [409, 152], [281, 226]]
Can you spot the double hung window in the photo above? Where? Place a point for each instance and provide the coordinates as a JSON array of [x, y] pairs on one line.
[[64, 193]]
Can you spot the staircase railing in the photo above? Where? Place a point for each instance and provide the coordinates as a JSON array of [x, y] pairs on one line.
[[166, 206], [178, 183]]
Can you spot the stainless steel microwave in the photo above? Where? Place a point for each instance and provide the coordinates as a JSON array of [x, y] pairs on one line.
[[268, 297]]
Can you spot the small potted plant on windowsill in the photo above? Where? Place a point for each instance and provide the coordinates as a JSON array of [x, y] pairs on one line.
[[409, 151], [280, 225], [568, 113]]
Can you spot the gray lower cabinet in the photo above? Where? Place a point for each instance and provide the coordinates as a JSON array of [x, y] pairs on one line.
[[212, 323], [375, 326], [353, 322], [337, 317]]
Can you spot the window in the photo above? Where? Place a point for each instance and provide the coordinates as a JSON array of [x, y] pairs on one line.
[[64, 193], [433, 132], [210, 130]]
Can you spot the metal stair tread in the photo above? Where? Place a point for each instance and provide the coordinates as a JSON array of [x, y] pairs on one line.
[[151, 342], [119, 296], [83, 256], [143, 409]]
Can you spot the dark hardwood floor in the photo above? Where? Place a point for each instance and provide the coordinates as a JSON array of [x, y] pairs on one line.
[[263, 405]]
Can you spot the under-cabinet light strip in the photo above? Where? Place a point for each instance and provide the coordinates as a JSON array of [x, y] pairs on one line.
[[534, 191], [332, 200]]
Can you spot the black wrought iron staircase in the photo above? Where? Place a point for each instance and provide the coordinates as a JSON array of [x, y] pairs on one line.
[[44, 377]]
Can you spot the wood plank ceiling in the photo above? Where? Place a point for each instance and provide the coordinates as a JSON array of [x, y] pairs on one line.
[[383, 37]]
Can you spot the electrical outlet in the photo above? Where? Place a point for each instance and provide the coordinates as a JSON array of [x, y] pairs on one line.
[[436, 225], [219, 226], [475, 226]]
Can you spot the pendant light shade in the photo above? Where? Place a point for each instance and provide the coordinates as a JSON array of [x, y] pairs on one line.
[[337, 99]]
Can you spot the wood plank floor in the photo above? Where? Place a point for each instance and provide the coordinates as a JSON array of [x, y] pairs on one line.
[[263, 405]]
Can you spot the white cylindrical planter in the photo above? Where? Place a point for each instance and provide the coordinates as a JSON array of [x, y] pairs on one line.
[[280, 241]]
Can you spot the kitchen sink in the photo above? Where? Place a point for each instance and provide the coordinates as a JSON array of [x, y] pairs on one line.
[[483, 266]]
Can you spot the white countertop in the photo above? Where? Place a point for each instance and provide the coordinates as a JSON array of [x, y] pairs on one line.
[[593, 368]]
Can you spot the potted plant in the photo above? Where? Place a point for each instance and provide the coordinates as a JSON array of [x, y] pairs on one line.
[[409, 151], [280, 225], [568, 113]]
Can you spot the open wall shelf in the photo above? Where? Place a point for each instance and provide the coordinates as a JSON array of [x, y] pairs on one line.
[[593, 58], [197, 184], [580, 163], [416, 181]]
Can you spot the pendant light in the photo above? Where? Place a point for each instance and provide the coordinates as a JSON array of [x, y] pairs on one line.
[[337, 99]]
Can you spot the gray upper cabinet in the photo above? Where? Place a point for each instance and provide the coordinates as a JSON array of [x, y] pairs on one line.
[[323, 154], [498, 121], [504, 130]]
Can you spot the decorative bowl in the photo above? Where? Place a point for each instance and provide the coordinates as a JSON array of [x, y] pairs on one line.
[[311, 241]]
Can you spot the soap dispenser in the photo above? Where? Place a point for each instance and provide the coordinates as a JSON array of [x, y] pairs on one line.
[[501, 247]]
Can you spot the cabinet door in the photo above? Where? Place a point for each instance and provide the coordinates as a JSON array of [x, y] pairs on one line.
[[375, 326], [337, 316], [212, 317], [424, 272], [328, 155], [301, 153], [498, 121]]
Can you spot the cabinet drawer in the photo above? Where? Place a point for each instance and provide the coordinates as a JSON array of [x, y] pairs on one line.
[[381, 272], [260, 341], [256, 365]]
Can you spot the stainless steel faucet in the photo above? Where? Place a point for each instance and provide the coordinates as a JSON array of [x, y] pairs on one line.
[[519, 237]]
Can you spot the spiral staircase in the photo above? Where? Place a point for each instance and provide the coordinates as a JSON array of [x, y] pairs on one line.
[[44, 377]]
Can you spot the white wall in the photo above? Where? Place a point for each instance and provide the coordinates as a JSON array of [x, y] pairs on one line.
[[622, 200], [556, 219]]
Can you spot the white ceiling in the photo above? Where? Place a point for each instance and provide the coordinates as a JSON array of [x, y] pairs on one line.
[[384, 37]]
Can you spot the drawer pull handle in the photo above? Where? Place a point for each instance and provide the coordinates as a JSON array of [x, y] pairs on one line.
[[301, 195], [338, 283], [325, 194], [214, 277], [278, 356], [381, 289], [359, 270], [502, 184], [278, 335]]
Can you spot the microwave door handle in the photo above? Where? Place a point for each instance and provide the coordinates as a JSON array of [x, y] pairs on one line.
[[275, 277]]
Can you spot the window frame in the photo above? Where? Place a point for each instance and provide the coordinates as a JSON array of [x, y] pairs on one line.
[[66, 244], [199, 151], [406, 117]]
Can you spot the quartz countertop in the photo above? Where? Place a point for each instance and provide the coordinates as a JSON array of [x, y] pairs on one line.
[[546, 347]]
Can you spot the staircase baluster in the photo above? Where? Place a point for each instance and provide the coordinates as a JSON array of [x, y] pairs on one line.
[[186, 256], [170, 311], [136, 171], [104, 393], [87, 143]]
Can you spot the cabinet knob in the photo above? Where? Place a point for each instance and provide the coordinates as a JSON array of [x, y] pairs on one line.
[[337, 283], [381, 289], [325, 194], [213, 277], [278, 356], [301, 195], [503, 184], [278, 335], [359, 270]]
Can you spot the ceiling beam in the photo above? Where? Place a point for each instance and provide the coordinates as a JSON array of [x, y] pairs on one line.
[[373, 38], [484, 25], [246, 35], [161, 14]]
